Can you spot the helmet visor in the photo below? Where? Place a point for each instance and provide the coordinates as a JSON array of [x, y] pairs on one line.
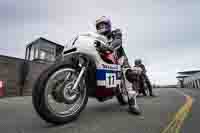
[[103, 26]]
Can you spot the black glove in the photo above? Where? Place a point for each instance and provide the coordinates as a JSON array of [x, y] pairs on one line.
[[103, 48]]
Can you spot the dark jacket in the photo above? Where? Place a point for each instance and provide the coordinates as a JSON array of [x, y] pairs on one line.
[[116, 44], [143, 68]]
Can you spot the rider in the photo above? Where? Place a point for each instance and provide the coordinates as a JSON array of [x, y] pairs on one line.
[[103, 27], [138, 63]]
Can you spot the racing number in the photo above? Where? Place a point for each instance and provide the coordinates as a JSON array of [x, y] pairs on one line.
[[110, 80]]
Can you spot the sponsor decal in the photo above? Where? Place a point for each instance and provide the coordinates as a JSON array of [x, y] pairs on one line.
[[110, 67]]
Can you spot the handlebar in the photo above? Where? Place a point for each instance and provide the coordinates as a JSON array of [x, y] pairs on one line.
[[102, 47]]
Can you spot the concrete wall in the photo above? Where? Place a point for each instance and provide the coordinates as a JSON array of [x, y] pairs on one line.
[[35, 68], [19, 75]]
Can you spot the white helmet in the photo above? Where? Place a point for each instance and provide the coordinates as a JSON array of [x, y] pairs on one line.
[[103, 25]]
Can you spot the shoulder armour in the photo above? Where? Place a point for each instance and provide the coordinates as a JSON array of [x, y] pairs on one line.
[[117, 33]]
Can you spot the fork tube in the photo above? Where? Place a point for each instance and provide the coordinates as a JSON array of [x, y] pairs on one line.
[[79, 78]]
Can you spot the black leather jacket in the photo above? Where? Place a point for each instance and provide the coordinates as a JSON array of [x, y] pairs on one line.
[[142, 67], [115, 39]]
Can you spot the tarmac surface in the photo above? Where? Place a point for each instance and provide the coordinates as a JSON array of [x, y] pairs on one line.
[[191, 124], [18, 116]]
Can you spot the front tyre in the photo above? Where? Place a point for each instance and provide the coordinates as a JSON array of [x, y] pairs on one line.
[[53, 98], [122, 99]]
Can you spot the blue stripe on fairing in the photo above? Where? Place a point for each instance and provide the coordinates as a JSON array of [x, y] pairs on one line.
[[101, 74]]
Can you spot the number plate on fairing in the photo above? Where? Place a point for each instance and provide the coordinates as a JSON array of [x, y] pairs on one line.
[[108, 78], [111, 80]]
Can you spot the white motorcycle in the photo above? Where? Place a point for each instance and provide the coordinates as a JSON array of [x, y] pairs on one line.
[[61, 92]]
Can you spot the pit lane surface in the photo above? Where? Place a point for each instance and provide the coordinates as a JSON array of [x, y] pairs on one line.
[[18, 116]]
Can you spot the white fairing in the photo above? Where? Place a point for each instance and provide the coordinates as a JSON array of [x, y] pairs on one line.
[[105, 72], [85, 44]]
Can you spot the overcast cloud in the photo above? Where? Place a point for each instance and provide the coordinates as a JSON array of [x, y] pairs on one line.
[[164, 33]]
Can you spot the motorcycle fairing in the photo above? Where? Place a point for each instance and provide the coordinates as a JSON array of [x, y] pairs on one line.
[[107, 75]]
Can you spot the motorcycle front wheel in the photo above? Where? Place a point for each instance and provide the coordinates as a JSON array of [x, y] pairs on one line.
[[53, 98]]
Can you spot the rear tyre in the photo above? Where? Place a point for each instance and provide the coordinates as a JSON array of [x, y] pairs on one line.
[[122, 99]]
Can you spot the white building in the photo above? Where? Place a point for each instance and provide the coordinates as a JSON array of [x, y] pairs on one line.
[[189, 79], [43, 50]]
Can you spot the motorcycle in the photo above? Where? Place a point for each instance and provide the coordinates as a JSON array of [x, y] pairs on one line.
[[141, 82], [61, 92]]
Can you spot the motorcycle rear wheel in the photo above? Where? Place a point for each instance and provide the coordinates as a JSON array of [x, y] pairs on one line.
[[122, 99]]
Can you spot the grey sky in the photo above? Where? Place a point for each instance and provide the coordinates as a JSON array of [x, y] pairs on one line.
[[164, 33]]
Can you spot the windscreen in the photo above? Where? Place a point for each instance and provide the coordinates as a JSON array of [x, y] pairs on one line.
[[71, 42]]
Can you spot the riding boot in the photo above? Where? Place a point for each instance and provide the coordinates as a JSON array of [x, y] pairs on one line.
[[142, 89], [133, 107], [144, 92], [150, 91], [150, 87]]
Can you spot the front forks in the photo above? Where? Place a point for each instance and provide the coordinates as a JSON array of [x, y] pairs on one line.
[[82, 63], [79, 78]]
